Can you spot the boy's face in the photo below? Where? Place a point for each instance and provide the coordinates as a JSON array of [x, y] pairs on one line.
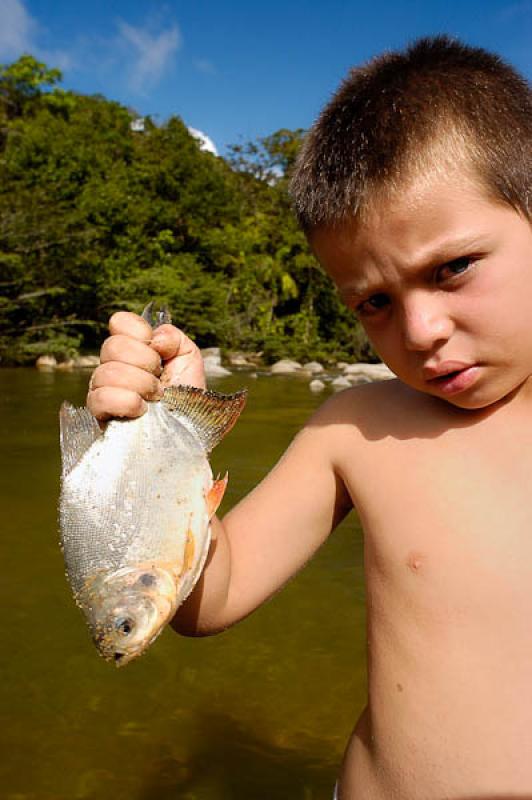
[[441, 279]]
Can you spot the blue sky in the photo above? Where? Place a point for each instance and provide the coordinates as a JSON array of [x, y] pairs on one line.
[[239, 70]]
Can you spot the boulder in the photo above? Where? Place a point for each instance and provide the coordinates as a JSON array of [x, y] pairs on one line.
[[373, 372], [46, 363], [87, 362], [316, 385], [341, 382], [285, 367], [239, 360], [212, 353], [314, 367], [66, 366], [357, 380], [213, 369]]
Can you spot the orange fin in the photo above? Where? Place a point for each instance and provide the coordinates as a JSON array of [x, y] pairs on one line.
[[215, 494]]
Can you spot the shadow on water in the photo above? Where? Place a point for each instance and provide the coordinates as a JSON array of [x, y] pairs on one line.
[[229, 760]]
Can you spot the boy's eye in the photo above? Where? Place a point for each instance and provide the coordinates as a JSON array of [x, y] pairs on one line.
[[372, 305], [453, 268]]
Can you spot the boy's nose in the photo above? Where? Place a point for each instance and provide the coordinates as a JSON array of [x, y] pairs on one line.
[[425, 323]]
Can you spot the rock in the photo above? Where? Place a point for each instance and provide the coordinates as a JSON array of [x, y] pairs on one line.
[[86, 362], [66, 366], [239, 360], [212, 353], [213, 369], [357, 380], [316, 385], [314, 367], [373, 372], [46, 363], [341, 383], [341, 364], [285, 367]]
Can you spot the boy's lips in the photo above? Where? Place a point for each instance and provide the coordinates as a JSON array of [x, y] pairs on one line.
[[451, 377]]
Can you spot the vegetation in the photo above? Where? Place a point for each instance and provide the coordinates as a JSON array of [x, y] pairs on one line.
[[96, 217]]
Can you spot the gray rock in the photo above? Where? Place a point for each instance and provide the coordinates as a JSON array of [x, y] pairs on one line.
[[86, 362], [213, 369], [314, 367], [66, 366], [373, 372], [316, 385], [46, 363], [285, 367], [212, 353], [239, 360], [357, 380], [340, 383]]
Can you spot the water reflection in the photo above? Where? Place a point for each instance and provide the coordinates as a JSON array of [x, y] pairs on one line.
[[261, 711]]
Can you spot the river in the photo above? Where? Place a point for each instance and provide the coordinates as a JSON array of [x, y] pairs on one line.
[[260, 712]]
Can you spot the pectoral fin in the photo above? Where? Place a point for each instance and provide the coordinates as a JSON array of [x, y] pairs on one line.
[[215, 494]]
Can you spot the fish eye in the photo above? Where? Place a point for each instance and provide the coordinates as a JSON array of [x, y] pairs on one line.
[[147, 579], [124, 625]]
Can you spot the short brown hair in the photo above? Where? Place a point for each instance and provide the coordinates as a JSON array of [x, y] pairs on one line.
[[404, 111]]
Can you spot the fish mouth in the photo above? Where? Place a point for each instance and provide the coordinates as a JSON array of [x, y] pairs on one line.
[[127, 609]]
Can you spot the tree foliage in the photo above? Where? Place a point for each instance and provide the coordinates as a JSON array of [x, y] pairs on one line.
[[95, 217]]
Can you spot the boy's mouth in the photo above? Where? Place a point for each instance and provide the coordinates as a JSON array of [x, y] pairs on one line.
[[451, 376]]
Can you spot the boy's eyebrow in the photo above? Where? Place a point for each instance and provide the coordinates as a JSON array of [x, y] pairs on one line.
[[442, 252]]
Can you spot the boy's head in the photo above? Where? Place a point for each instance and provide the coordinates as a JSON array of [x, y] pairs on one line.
[[414, 188], [411, 115]]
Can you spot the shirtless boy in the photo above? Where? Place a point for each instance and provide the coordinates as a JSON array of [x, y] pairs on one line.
[[414, 188]]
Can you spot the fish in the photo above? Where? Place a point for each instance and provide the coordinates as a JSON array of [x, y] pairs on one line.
[[135, 506]]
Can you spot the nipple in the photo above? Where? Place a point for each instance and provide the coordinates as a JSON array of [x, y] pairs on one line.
[[415, 561]]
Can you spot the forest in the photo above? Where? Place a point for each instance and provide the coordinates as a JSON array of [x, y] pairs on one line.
[[96, 216]]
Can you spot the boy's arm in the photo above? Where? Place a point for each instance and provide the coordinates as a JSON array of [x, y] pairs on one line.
[[270, 534], [273, 531]]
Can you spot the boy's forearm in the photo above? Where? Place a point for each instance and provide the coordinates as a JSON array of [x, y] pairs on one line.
[[201, 613]]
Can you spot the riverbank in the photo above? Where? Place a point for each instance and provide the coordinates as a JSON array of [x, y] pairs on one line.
[[337, 374]]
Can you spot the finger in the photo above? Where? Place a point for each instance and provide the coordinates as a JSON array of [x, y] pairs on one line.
[[182, 371], [130, 351], [115, 374], [110, 402], [169, 342], [128, 324]]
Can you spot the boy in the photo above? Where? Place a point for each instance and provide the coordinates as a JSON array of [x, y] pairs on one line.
[[414, 190]]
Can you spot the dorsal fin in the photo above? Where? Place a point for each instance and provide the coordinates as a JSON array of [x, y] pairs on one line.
[[78, 430], [210, 414], [156, 317]]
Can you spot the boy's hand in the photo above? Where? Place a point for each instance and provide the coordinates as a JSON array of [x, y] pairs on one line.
[[137, 363]]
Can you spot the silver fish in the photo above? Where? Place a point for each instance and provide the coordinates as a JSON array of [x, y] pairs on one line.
[[134, 511]]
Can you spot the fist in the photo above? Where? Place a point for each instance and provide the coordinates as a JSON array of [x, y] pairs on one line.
[[137, 363]]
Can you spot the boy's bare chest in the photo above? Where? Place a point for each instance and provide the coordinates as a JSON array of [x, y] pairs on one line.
[[448, 556], [450, 512]]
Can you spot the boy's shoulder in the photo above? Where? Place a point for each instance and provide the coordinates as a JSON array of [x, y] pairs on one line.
[[384, 408]]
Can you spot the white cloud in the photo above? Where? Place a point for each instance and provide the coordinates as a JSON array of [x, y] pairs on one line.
[[205, 142], [19, 33], [17, 30], [152, 53]]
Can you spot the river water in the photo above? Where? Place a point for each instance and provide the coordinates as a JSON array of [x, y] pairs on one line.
[[260, 712]]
